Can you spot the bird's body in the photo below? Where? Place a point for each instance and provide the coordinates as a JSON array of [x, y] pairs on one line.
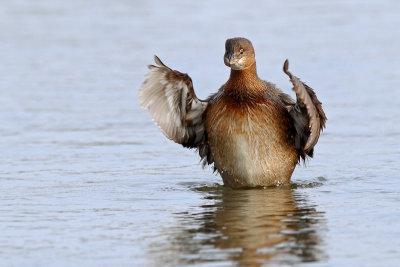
[[252, 132]]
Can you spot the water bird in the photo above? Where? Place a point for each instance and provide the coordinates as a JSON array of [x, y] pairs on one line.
[[249, 130]]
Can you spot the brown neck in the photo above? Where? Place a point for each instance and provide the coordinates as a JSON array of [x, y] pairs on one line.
[[249, 72], [245, 80]]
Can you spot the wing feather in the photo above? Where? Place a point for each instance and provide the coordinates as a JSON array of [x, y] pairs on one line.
[[308, 116], [169, 96]]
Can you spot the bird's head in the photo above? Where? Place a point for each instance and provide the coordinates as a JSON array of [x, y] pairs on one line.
[[239, 53]]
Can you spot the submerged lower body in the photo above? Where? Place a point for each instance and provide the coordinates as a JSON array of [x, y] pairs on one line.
[[252, 177]]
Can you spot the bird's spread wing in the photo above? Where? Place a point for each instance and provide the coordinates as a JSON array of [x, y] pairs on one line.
[[307, 114], [169, 96]]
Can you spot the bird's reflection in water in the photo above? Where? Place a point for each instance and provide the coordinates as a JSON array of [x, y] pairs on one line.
[[251, 228]]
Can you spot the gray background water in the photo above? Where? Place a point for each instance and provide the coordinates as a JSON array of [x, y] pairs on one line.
[[86, 178]]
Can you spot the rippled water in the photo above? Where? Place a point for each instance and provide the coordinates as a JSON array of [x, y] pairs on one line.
[[88, 179]]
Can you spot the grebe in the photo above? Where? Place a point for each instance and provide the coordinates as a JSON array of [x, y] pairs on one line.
[[251, 131]]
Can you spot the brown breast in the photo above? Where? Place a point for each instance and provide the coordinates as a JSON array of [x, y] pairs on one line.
[[251, 139]]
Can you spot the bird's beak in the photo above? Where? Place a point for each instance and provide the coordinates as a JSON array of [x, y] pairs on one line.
[[233, 60], [227, 60], [230, 60]]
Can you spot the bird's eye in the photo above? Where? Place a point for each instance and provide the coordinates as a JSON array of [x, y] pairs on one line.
[[241, 51]]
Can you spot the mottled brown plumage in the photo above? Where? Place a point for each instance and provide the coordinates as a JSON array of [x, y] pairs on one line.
[[252, 132]]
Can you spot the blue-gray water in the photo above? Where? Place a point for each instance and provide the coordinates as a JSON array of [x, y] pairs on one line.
[[86, 178]]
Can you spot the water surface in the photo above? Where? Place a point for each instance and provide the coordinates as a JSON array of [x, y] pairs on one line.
[[88, 179]]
